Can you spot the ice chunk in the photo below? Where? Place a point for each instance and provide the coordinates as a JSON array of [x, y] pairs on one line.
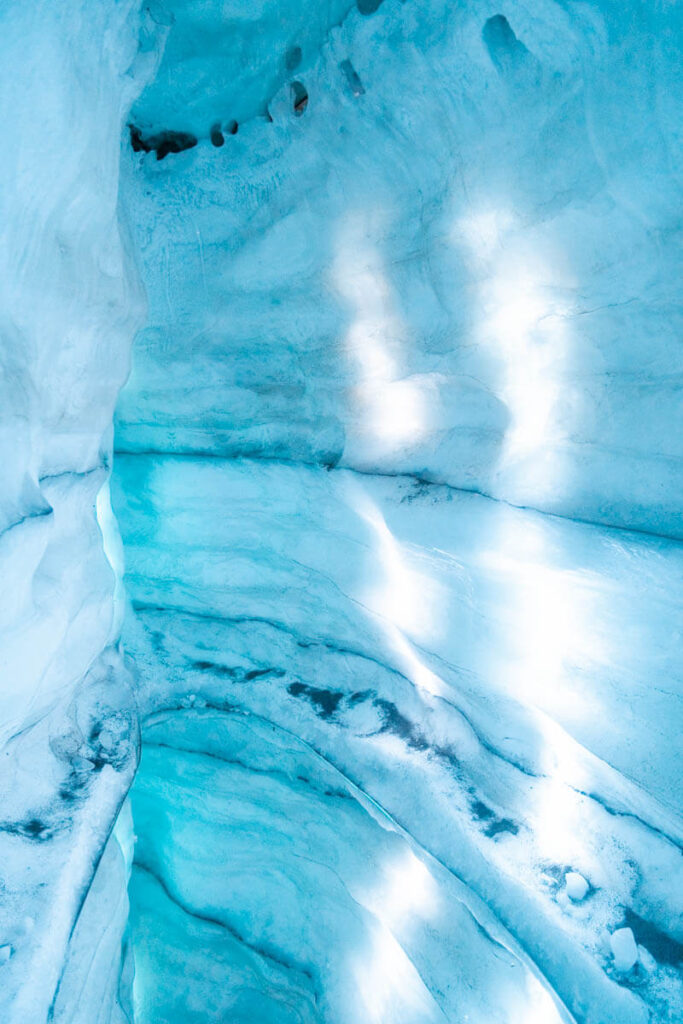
[[577, 886], [624, 949]]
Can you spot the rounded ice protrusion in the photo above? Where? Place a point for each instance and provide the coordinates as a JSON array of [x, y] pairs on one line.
[[577, 886], [624, 949]]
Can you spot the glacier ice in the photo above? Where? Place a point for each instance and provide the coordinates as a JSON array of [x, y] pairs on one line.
[[576, 886], [341, 646], [624, 949]]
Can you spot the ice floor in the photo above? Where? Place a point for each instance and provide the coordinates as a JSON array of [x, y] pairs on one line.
[[472, 682], [386, 721], [342, 646]]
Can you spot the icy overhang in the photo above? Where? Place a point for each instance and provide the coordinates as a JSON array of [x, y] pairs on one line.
[[224, 60]]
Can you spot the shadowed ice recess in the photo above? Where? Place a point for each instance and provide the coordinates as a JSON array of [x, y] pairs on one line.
[[344, 672]]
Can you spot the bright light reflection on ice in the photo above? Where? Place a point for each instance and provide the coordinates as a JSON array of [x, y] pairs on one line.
[[404, 599], [409, 889], [392, 407], [523, 326], [539, 1007], [386, 977], [559, 828], [552, 621], [388, 984]]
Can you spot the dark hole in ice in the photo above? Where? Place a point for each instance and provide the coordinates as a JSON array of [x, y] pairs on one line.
[[262, 673], [325, 702], [293, 58], [232, 127], [662, 947], [31, 829], [299, 97], [498, 34], [212, 666], [34, 827], [394, 722], [174, 142], [136, 140], [217, 137], [481, 811], [368, 6], [496, 826], [500, 826], [352, 78], [503, 45], [162, 143]]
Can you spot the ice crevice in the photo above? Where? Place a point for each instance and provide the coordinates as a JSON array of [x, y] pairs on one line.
[[341, 512]]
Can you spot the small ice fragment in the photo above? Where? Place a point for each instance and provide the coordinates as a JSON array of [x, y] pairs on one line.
[[107, 739], [577, 886], [5, 953], [624, 949]]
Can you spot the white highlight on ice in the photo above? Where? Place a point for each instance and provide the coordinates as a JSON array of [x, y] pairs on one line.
[[551, 615], [406, 600], [552, 639], [385, 975], [539, 1007], [388, 984], [522, 323], [393, 408], [410, 889]]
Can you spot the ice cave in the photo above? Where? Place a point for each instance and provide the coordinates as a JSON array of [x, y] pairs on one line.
[[341, 512]]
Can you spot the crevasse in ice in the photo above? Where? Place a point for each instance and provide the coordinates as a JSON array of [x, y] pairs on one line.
[[369, 578]]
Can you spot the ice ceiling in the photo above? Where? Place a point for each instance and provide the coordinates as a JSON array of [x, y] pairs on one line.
[[340, 512]]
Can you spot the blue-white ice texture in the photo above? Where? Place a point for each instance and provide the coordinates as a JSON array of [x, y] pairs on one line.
[[397, 493]]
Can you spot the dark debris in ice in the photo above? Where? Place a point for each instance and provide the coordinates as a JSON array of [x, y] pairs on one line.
[[663, 948], [162, 143], [324, 702], [33, 829], [494, 826]]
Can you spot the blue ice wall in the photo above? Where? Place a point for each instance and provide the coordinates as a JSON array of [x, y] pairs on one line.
[[412, 750], [461, 261]]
